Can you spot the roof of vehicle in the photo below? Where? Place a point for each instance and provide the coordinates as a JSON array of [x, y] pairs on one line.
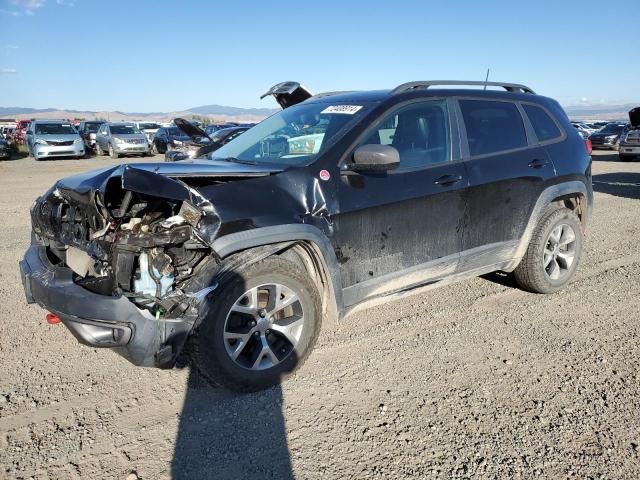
[[66, 122], [426, 88]]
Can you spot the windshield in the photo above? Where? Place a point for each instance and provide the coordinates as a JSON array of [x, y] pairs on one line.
[[123, 129], [92, 127], [148, 126], [221, 134], [294, 136], [613, 128], [54, 129]]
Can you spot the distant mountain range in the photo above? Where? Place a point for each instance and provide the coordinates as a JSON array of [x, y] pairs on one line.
[[215, 112], [603, 112], [226, 113]]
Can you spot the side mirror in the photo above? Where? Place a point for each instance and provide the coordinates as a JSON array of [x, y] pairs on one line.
[[375, 158]]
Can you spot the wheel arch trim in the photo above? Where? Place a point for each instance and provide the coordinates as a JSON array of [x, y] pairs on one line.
[[545, 199], [235, 242]]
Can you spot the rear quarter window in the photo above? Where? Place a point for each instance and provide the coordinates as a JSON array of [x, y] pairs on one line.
[[492, 126], [544, 126]]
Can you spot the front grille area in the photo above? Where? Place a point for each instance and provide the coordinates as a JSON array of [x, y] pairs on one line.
[[55, 143], [135, 141], [633, 139]]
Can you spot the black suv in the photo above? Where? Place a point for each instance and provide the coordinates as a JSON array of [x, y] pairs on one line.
[[338, 201]]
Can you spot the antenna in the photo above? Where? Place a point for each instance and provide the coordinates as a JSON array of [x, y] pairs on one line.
[[486, 79]]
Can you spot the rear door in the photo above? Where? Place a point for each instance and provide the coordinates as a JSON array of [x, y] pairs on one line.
[[402, 228], [507, 168]]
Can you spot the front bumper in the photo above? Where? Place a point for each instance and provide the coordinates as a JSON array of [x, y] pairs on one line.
[[48, 151], [99, 320], [131, 148], [629, 149]]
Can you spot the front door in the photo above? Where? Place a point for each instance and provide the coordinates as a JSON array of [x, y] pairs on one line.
[[402, 228]]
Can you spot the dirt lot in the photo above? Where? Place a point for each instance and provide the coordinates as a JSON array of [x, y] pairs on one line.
[[477, 379]]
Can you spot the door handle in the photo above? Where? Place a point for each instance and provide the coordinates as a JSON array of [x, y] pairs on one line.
[[446, 180], [538, 163]]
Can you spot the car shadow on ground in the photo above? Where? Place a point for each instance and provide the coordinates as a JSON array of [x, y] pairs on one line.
[[620, 184], [223, 435], [501, 278]]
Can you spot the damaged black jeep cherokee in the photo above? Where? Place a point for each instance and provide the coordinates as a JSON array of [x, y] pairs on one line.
[[336, 202]]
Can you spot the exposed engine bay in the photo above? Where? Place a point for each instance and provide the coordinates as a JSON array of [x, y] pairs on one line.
[[128, 243]]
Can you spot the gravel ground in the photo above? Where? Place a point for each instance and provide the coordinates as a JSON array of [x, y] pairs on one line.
[[477, 379]]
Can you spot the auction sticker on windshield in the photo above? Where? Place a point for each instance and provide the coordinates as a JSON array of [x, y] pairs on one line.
[[344, 109]]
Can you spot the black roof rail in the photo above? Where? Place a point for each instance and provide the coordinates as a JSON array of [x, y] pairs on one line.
[[329, 94], [509, 87]]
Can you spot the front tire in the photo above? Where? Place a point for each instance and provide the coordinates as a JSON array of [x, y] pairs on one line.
[[99, 152], [112, 152], [553, 254], [261, 327]]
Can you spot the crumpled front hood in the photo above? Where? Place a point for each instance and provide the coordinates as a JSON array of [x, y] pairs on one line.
[[159, 179]]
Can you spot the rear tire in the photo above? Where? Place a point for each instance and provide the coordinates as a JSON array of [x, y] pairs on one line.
[[98, 149], [262, 325], [553, 254]]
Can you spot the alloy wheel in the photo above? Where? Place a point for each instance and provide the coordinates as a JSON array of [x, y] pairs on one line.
[[264, 326], [559, 251]]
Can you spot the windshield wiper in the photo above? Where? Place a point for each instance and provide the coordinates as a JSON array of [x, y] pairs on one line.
[[235, 160]]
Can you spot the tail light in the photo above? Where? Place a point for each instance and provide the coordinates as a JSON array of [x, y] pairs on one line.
[[587, 143]]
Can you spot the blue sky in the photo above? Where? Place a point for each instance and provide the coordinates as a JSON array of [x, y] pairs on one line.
[[145, 55]]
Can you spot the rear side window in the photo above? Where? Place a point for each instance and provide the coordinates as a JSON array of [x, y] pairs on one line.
[[543, 124], [492, 126]]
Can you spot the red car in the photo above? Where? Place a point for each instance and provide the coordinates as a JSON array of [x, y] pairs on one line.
[[18, 133]]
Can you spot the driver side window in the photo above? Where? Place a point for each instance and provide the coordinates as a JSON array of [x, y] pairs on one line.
[[420, 133]]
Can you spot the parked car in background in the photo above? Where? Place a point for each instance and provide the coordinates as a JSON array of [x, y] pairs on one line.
[[19, 132], [629, 146], [168, 138], [6, 132], [118, 139], [581, 126], [199, 145], [87, 131], [53, 138], [608, 136], [585, 133], [148, 128], [214, 127], [6, 149]]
